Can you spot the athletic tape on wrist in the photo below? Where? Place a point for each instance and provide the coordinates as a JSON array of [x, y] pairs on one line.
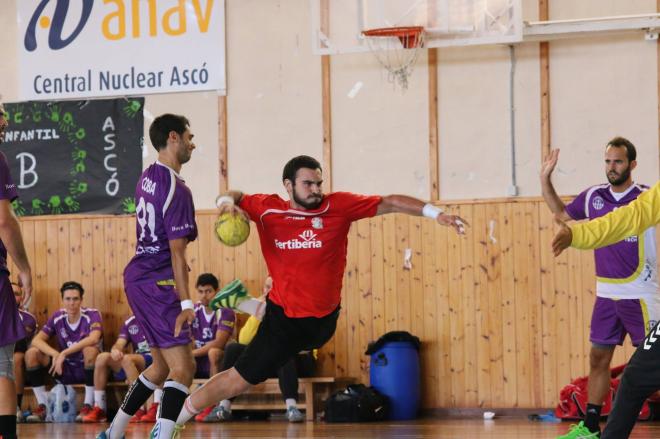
[[187, 304], [222, 199], [431, 211]]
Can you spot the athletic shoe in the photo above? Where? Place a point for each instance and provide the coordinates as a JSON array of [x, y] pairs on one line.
[[204, 414], [176, 434], [579, 431], [19, 415], [104, 435], [294, 415], [230, 296], [38, 415], [222, 414], [97, 414], [86, 410], [150, 415], [137, 417]]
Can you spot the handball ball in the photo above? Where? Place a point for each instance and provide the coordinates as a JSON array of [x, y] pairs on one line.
[[232, 229]]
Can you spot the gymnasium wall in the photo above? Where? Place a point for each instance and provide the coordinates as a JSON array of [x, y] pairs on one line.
[[503, 324], [599, 87]]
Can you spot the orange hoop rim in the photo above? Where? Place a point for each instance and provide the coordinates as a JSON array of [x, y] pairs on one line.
[[398, 32]]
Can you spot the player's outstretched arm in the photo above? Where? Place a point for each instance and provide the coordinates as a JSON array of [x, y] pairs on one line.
[[548, 190], [632, 219], [416, 207], [10, 234]]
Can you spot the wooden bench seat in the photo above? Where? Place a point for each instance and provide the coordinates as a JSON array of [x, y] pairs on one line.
[[267, 396]]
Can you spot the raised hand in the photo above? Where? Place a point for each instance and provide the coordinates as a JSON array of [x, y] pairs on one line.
[[549, 163], [454, 221]]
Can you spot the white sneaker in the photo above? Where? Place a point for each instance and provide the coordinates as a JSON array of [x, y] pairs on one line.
[[294, 415]]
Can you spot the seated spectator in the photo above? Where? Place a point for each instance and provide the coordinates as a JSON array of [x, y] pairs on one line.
[[301, 365], [78, 332], [211, 330], [125, 366], [30, 325]]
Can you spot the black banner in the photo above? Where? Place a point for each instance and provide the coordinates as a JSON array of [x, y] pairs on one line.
[[75, 156]]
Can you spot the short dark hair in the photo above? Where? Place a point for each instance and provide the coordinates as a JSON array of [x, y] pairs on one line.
[[72, 285], [301, 161], [207, 279], [622, 142], [161, 127]]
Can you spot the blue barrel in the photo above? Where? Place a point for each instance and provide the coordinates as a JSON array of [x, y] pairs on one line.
[[394, 372]]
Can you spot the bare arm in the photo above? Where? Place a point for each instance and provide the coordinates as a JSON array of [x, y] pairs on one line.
[[10, 234], [220, 340], [117, 349], [40, 341], [548, 190], [91, 340], [414, 206], [180, 269]]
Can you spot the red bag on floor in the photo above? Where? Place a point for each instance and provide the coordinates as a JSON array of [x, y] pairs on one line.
[[573, 398]]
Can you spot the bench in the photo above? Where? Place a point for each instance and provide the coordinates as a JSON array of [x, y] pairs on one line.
[[267, 396], [264, 396]]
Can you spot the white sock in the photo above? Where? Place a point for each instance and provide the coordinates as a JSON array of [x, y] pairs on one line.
[[41, 394], [187, 412], [253, 306], [99, 399], [163, 429], [290, 402], [89, 395], [118, 426], [158, 394], [226, 404]]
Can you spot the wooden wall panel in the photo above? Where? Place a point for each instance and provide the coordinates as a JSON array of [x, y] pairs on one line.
[[502, 322]]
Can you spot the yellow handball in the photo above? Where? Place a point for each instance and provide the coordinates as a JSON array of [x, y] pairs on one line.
[[232, 229]]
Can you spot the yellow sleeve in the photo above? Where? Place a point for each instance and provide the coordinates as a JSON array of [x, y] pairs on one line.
[[248, 330], [630, 220]]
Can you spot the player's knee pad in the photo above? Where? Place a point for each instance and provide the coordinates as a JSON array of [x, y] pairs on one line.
[[7, 361]]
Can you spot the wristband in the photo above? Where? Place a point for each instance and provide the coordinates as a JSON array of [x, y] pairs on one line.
[[431, 211], [187, 304], [222, 199]]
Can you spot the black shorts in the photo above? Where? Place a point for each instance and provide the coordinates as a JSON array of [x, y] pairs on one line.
[[21, 345], [279, 338]]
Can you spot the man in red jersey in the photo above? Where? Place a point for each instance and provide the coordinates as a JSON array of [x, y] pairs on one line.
[[304, 242]]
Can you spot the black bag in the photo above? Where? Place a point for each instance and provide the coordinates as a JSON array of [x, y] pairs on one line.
[[358, 403]]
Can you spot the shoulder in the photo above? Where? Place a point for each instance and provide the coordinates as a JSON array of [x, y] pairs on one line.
[[129, 320], [27, 314], [90, 312], [270, 200]]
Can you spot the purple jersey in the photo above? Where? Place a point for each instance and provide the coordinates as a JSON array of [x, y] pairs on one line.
[[68, 334], [7, 192], [29, 323], [626, 269], [132, 332], [206, 325], [164, 211]]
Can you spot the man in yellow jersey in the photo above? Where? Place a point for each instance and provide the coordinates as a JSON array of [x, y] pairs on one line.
[[641, 377]]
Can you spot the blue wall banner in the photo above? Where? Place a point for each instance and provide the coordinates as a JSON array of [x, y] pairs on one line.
[[75, 156], [86, 48]]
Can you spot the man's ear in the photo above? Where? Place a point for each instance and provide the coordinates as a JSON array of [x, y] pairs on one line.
[[633, 164], [288, 185]]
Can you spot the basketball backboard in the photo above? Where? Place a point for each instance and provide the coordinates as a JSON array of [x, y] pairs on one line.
[[337, 25]]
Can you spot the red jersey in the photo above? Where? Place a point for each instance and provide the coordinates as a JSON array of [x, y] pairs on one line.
[[305, 250]]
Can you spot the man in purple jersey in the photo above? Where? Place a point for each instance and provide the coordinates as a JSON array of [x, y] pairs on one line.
[[125, 366], [627, 299], [211, 331], [78, 332], [11, 242], [156, 278], [30, 325]]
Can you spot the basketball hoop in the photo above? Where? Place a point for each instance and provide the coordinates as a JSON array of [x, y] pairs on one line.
[[396, 49]]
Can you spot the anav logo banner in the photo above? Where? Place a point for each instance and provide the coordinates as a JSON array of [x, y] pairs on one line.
[[92, 48]]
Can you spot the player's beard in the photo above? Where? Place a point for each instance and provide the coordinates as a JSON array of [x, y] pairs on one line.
[[311, 203], [619, 179]]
